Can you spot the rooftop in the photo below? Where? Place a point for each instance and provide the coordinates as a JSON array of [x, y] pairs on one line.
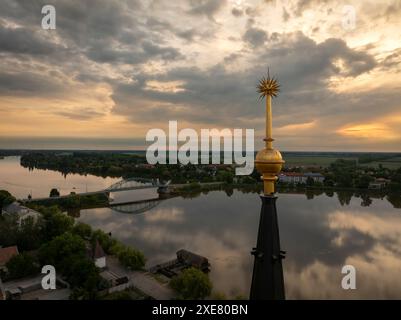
[[7, 253], [292, 174], [98, 252], [16, 208], [192, 259]]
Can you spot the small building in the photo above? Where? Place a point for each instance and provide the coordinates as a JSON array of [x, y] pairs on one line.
[[193, 260], [99, 256], [379, 183], [297, 177], [21, 211], [185, 259], [292, 177], [96, 254], [6, 254], [317, 177]]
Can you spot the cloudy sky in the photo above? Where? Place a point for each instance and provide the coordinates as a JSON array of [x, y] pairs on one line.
[[113, 69]]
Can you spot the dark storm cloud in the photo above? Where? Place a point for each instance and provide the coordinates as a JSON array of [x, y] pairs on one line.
[[206, 7], [237, 12], [211, 94], [28, 83], [188, 34], [232, 57], [255, 37], [23, 41], [166, 53], [145, 51], [102, 30], [96, 32], [83, 114], [393, 60], [302, 5]]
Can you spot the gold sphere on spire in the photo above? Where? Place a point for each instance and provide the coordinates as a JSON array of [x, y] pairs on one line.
[[268, 160]]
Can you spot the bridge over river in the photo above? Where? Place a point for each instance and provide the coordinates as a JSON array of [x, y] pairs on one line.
[[123, 185], [132, 184]]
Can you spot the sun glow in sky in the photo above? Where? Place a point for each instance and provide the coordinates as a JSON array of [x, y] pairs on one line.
[[113, 69]]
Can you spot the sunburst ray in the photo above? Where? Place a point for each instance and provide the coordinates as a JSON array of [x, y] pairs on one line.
[[268, 87]]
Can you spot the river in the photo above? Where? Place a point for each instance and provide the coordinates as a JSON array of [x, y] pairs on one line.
[[321, 234]]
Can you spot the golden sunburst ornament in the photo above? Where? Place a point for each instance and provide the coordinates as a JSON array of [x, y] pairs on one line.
[[268, 87]]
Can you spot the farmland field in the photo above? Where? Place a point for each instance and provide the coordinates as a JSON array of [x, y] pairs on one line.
[[309, 161]]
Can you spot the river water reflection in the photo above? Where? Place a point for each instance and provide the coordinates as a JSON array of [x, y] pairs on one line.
[[320, 234]]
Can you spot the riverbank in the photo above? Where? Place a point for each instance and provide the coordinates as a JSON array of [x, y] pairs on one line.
[[340, 174]]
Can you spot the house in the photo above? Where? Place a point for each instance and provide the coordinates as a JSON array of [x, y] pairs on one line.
[[22, 211], [296, 177], [99, 256], [6, 254], [96, 254], [193, 260], [379, 183], [317, 177], [292, 177], [185, 259]]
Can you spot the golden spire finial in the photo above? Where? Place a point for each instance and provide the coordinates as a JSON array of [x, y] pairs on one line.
[[268, 86], [268, 161]]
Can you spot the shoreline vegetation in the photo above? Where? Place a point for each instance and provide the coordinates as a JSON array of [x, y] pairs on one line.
[[74, 203], [344, 172]]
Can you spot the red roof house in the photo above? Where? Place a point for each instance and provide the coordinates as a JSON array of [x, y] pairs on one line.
[[6, 254]]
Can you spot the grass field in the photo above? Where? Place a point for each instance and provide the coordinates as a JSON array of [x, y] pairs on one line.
[[317, 160], [325, 160], [392, 163]]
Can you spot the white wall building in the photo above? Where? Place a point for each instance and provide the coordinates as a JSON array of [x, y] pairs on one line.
[[296, 177], [22, 212], [99, 256]]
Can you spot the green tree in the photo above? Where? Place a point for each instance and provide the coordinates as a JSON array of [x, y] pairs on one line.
[[192, 284], [225, 176], [310, 181], [105, 240], [363, 181], [122, 295], [8, 230], [83, 230], [57, 224], [5, 199], [62, 251], [54, 193], [83, 274], [21, 265], [29, 236], [131, 258]]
